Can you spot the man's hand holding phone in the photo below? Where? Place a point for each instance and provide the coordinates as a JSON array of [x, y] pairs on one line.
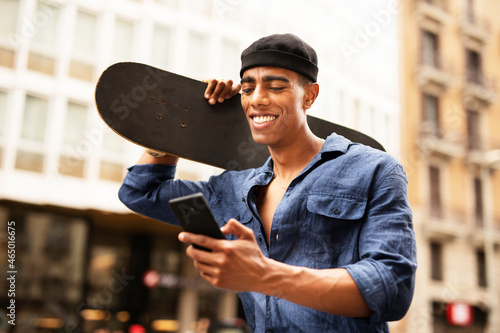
[[237, 265], [195, 216]]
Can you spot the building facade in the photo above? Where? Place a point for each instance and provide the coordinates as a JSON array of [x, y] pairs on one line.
[[83, 262], [451, 152]]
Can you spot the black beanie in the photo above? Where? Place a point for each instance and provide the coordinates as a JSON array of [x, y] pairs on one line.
[[285, 51]]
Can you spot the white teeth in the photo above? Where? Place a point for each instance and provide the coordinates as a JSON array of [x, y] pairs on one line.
[[263, 119]]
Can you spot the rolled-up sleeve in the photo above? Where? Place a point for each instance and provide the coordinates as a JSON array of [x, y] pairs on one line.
[[385, 274], [147, 188]]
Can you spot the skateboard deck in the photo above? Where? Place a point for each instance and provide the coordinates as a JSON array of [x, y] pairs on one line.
[[167, 112]]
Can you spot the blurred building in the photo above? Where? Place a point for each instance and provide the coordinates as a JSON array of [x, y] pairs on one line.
[[451, 149], [83, 261]]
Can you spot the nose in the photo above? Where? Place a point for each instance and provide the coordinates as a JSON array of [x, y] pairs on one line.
[[260, 97]]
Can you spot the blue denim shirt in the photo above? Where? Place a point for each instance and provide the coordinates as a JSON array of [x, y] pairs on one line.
[[348, 208]]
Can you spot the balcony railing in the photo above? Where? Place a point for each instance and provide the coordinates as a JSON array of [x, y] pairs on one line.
[[432, 15], [485, 154], [479, 90], [434, 142], [476, 28], [434, 74]]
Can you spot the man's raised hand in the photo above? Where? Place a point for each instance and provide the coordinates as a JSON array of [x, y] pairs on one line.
[[220, 90]]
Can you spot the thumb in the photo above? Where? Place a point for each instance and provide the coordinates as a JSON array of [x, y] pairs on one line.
[[239, 230]]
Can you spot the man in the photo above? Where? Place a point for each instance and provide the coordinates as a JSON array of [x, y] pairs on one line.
[[320, 237]]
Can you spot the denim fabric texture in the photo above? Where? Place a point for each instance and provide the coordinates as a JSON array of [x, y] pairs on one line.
[[347, 209]]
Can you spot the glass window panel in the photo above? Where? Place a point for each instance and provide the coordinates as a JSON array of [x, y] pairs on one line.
[[473, 130], [85, 33], [481, 269], [9, 10], [29, 161], [431, 114], [435, 191], [195, 56], [111, 171], [45, 22], [122, 42], [112, 143], [81, 70], [75, 124], [7, 57], [230, 58], [478, 201], [71, 166], [430, 45], [436, 261], [160, 53], [34, 119], [473, 66], [3, 112], [41, 63]]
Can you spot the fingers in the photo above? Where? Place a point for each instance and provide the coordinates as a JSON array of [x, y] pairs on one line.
[[220, 90], [238, 229], [201, 240]]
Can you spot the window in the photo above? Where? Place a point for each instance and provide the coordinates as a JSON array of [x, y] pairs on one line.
[[123, 40], [85, 33], [430, 49], [469, 9], [46, 28], [84, 47], [473, 130], [71, 161], [8, 23], [33, 132], [473, 66], [430, 111], [34, 119], [113, 147], [45, 39], [435, 189], [436, 261], [3, 112], [195, 55], [56, 246], [9, 10], [478, 201], [481, 269], [161, 48], [230, 58], [111, 171]]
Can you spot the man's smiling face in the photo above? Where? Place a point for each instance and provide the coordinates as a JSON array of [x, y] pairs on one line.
[[273, 99]]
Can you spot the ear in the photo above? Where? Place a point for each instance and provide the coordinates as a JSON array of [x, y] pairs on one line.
[[311, 93]]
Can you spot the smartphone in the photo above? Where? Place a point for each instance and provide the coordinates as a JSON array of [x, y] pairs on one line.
[[195, 216]]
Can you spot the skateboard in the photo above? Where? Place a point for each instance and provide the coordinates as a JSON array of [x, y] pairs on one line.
[[167, 112]]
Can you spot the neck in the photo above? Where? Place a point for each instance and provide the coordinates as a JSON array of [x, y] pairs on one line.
[[290, 160]]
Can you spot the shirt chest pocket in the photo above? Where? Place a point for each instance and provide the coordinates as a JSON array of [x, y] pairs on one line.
[[336, 207], [332, 228]]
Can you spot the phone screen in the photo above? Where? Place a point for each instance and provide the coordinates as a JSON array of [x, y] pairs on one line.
[[194, 215]]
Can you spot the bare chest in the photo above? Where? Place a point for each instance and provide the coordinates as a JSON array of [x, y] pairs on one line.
[[268, 199]]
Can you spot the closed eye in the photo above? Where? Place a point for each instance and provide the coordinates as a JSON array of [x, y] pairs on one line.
[[247, 91], [276, 89]]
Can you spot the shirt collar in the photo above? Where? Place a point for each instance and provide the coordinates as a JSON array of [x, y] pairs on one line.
[[333, 143]]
